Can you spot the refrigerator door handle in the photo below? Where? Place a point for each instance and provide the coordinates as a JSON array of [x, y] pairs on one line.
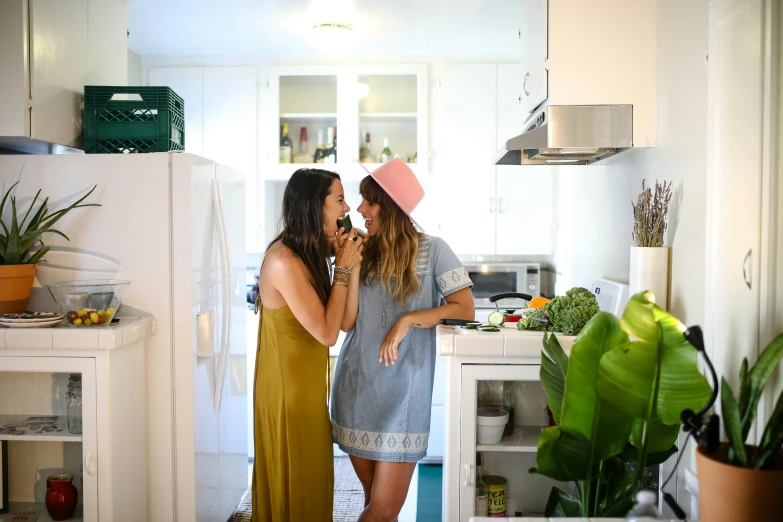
[[226, 273]]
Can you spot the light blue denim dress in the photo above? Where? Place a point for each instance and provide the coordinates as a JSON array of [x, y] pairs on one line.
[[383, 413]]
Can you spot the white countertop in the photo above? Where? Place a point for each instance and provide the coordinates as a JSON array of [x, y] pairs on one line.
[[525, 519], [457, 341], [128, 330]]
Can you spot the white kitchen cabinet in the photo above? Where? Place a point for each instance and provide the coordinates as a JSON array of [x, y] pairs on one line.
[[49, 50], [486, 209], [188, 83], [533, 46], [108, 457], [601, 52], [386, 101], [485, 361]]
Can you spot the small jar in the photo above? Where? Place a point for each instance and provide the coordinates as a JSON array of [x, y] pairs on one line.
[[74, 400]]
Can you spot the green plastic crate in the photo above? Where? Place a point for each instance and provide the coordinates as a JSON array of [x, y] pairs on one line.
[[155, 123]]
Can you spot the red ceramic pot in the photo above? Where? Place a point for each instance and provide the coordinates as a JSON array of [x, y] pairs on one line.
[[61, 497]]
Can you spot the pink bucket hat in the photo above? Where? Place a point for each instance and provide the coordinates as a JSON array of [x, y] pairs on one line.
[[398, 180]]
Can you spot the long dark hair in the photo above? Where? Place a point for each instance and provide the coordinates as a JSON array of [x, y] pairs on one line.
[[392, 252], [303, 224]]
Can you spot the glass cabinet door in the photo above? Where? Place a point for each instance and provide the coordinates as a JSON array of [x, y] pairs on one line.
[[48, 427], [504, 409], [388, 108], [307, 111]]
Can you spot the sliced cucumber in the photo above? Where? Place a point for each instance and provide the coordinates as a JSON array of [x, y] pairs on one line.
[[496, 318], [489, 328], [470, 327]]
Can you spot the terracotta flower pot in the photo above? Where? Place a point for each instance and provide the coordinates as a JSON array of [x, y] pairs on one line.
[[731, 494], [16, 284]]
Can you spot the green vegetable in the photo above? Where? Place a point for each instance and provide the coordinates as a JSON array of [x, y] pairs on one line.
[[535, 320], [566, 313], [496, 318], [345, 222]]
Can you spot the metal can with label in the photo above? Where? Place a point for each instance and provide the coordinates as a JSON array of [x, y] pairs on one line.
[[496, 493]]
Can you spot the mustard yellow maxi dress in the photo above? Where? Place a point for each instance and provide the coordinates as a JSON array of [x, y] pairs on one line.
[[293, 474]]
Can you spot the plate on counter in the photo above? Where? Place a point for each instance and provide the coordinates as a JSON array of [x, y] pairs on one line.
[[30, 317]]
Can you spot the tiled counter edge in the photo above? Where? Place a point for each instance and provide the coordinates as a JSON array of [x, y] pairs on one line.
[[130, 330], [509, 342]]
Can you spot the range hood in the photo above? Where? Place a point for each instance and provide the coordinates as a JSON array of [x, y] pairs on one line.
[[570, 135]]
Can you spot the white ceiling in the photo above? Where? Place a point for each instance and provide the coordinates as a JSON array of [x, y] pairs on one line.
[[278, 30]]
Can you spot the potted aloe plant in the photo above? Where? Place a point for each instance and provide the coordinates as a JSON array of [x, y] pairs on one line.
[[739, 481], [615, 401], [21, 246]]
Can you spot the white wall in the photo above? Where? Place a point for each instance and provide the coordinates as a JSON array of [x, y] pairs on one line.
[[597, 234], [134, 69], [107, 42]]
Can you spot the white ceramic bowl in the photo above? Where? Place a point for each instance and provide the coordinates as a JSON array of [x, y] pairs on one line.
[[490, 423]]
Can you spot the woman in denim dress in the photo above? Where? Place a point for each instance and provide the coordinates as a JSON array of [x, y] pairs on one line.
[[382, 392]]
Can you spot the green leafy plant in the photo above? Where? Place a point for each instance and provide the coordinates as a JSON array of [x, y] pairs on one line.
[[615, 400], [566, 314], [19, 239], [738, 416]]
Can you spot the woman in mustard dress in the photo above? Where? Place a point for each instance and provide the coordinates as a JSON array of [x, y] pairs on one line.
[[302, 306]]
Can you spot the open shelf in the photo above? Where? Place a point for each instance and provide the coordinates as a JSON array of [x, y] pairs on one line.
[[523, 440], [78, 516], [308, 115], [24, 431]]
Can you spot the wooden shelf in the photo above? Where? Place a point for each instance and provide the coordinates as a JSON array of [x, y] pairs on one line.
[[523, 440], [308, 116], [17, 422], [78, 516]]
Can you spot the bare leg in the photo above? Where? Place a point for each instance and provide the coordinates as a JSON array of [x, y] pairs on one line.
[[390, 484], [365, 470]]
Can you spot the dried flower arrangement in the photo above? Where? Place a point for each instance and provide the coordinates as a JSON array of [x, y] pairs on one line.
[[649, 215]]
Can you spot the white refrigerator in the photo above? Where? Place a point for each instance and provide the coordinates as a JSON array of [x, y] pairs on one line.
[[174, 225]]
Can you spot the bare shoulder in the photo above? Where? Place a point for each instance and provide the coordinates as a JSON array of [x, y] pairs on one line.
[[281, 260]]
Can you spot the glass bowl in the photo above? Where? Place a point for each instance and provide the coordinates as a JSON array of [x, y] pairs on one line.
[[88, 303]]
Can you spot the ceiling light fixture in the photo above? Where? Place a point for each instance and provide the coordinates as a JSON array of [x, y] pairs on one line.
[[332, 23]]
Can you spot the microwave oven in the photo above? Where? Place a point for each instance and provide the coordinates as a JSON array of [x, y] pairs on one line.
[[494, 278]]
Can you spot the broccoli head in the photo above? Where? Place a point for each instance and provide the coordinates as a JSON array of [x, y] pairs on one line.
[[535, 320], [570, 312]]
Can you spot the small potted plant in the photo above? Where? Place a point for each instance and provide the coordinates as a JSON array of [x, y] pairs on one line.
[[742, 482], [21, 246], [649, 268]]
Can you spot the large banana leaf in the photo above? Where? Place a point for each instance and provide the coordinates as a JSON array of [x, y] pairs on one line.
[[561, 504], [657, 375], [590, 430], [554, 367]]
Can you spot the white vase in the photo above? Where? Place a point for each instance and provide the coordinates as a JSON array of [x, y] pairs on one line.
[[650, 271]]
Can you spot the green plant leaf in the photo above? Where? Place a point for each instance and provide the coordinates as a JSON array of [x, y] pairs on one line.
[[606, 428], [554, 367], [744, 395], [771, 440], [31, 238], [631, 454], [5, 198], [561, 456], [757, 379], [629, 376], [618, 488], [12, 249], [733, 425], [38, 255], [660, 436], [27, 214], [561, 504]]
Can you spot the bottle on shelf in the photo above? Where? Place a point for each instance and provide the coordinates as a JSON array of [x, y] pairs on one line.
[[320, 151], [329, 153], [386, 155], [482, 493], [286, 145], [334, 147], [645, 509], [365, 153], [302, 155], [74, 400]]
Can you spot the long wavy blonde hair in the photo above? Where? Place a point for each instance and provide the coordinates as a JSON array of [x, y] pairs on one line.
[[392, 252]]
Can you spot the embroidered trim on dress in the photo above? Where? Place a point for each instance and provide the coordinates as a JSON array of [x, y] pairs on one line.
[[423, 259], [453, 280], [380, 442]]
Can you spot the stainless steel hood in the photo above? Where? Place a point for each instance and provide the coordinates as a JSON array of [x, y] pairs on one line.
[[570, 135]]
